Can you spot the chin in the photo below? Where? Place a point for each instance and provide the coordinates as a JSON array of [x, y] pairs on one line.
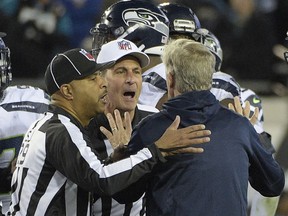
[[129, 108], [100, 109]]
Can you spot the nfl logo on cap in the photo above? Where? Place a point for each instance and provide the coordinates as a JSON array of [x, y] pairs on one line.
[[124, 45], [117, 49]]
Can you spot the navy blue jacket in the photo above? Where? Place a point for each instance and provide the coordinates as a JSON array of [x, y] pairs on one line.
[[214, 182]]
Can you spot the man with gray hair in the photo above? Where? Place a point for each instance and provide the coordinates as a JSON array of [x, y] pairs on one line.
[[214, 182], [57, 170]]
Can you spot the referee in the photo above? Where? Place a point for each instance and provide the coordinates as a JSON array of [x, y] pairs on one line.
[[56, 170]]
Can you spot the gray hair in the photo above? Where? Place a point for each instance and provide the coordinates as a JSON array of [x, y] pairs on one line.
[[191, 63]]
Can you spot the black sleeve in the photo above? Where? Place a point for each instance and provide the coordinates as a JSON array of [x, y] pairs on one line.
[[265, 139], [87, 171], [137, 189], [133, 192], [5, 179]]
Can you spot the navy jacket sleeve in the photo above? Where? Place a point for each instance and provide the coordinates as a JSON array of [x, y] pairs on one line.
[[265, 174]]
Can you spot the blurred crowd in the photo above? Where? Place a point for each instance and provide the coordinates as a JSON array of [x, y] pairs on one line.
[[251, 32], [38, 29]]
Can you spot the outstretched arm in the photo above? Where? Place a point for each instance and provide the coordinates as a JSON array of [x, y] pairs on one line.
[[173, 140]]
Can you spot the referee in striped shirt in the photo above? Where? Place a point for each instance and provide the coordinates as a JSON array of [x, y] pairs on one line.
[[56, 170]]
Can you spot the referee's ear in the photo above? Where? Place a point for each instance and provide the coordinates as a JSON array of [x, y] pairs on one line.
[[66, 91]]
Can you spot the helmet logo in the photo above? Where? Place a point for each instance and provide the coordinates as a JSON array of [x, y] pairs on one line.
[[146, 17], [184, 25], [210, 43], [124, 45]]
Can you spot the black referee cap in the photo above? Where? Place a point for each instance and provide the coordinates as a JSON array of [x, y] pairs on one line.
[[71, 65]]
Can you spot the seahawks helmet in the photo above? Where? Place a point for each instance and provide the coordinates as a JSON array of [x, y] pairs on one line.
[[207, 38], [182, 20], [5, 64], [138, 21], [224, 86]]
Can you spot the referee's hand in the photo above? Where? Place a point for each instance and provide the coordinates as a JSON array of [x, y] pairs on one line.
[[175, 140]]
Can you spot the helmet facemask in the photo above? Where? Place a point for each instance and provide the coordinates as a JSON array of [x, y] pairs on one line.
[[205, 37], [100, 37], [5, 66]]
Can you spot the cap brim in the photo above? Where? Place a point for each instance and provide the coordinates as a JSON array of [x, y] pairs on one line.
[[104, 66], [98, 67], [142, 57]]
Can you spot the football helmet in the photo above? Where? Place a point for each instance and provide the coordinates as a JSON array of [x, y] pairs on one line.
[[5, 64], [182, 20], [138, 21], [224, 86], [207, 38]]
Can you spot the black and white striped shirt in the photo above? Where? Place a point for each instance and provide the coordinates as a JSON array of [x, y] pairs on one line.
[[106, 205], [57, 171]]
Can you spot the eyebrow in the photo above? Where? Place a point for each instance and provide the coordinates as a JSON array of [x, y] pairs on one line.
[[125, 68]]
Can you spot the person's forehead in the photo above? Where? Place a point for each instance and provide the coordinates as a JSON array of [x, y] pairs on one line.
[[128, 60]]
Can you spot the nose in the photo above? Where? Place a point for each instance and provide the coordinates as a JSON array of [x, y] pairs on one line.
[[103, 82], [130, 78]]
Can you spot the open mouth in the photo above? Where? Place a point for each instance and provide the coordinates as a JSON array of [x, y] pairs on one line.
[[129, 94], [104, 98]]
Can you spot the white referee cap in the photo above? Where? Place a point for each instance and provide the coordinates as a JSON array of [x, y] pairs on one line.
[[117, 49]]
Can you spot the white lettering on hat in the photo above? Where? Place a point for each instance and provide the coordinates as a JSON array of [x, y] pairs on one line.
[[124, 45], [87, 55]]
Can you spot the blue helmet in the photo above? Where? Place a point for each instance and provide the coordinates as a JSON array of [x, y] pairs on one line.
[[224, 86], [141, 22], [5, 64], [182, 20], [207, 38]]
